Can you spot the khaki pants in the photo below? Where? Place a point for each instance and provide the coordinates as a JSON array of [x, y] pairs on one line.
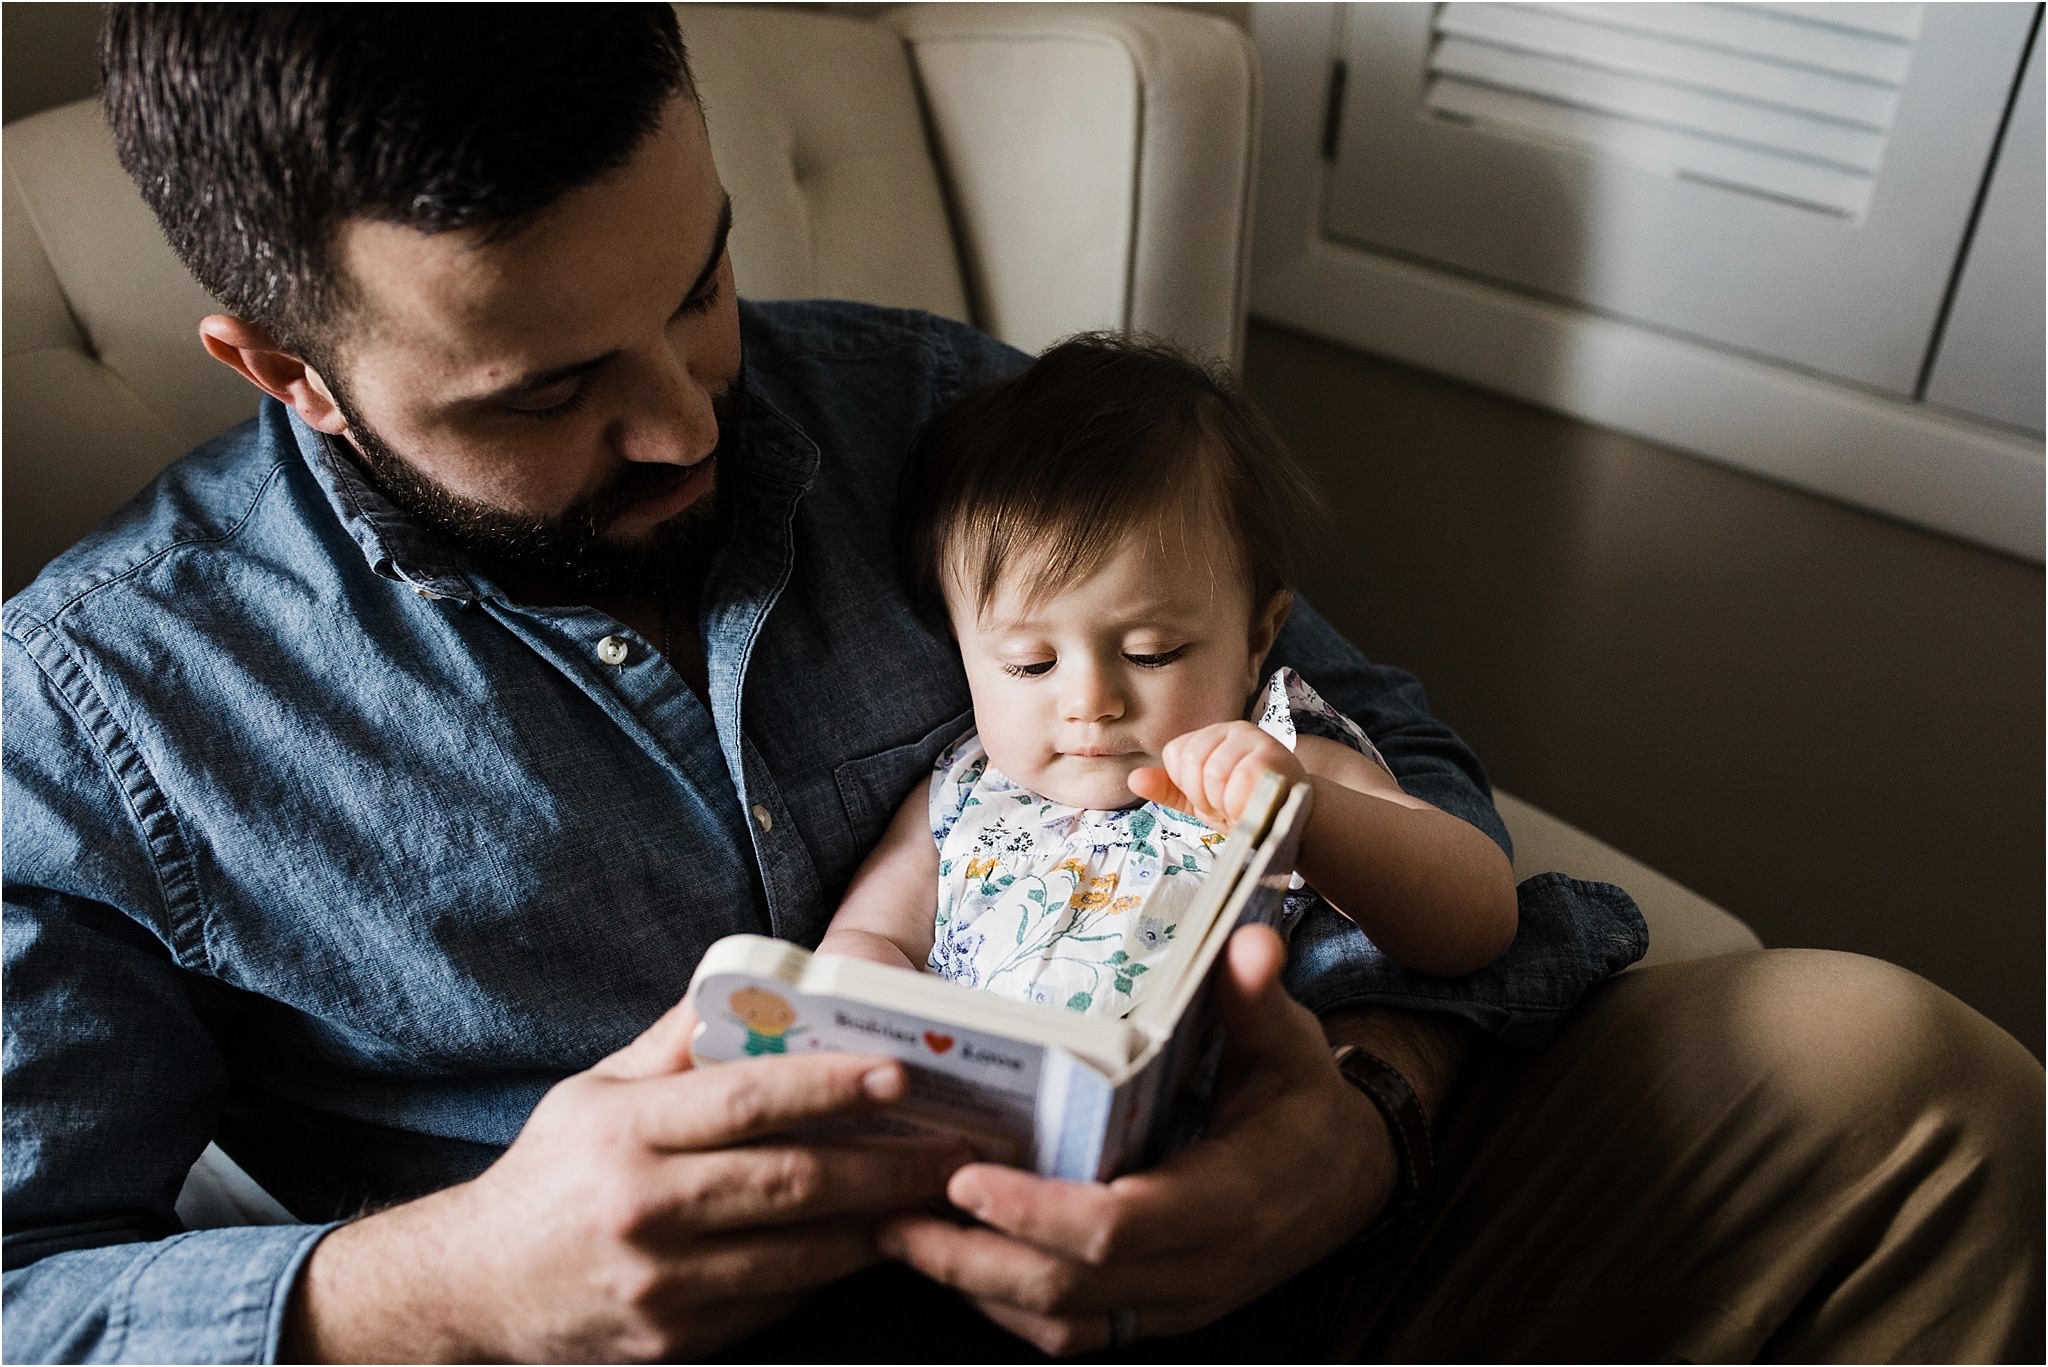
[[1790, 1155]]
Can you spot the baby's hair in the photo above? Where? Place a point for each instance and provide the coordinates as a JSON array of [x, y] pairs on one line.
[[1103, 436]]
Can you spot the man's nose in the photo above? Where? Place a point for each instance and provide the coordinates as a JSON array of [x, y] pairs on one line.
[[673, 420], [1093, 693]]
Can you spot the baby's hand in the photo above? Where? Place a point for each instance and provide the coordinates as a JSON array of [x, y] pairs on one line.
[[1211, 773]]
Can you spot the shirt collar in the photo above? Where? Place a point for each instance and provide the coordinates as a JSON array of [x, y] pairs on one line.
[[395, 545]]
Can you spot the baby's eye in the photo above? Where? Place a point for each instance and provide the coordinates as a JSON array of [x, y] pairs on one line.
[[1158, 660], [1028, 671]]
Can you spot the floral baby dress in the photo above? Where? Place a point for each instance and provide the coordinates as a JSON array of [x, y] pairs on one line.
[[1070, 906]]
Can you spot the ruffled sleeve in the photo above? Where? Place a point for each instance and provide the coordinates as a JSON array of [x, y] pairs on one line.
[[1289, 707], [954, 773]]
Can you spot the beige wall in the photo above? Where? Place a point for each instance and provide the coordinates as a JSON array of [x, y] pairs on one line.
[[1239, 14], [46, 50], [46, 56]]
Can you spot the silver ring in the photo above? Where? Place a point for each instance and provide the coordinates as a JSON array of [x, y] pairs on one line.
[[1123, 1326]]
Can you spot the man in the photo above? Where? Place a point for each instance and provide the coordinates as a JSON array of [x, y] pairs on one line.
[[374, 781]]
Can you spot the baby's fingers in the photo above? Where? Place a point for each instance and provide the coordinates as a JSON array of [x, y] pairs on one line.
[[1221, 764], [1244, 781], [1191, 762], [1156, 785]]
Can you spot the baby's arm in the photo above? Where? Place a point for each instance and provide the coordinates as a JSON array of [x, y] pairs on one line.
[[1433, 892], [886, 915]]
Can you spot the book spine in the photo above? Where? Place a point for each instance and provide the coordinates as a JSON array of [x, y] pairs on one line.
[[1074, 1112]]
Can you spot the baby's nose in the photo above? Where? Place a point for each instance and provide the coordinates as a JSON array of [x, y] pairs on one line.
[[1093, 695]]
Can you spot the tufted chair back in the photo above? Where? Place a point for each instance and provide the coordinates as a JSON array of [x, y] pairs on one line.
[[1034, 169]]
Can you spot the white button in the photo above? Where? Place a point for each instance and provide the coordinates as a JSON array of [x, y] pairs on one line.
[[762, 819], [612, 650]]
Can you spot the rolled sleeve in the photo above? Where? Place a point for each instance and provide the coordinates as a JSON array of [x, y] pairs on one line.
[[1571, 934], [216, 1295]]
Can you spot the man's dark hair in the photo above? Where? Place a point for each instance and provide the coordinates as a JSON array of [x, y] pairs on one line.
[[256, 131], [1103, 436]]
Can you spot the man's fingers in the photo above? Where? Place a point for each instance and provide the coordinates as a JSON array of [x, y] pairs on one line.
[[1065, 1335], [1143, 1215], [1258, 1015], [714, 1327], [779, 1263], [1149, 1214], [1055, 1337], [1077, 1219], [984, 1264], [663, 1047], [980, 1262], [715, 1108], [784, 1184]]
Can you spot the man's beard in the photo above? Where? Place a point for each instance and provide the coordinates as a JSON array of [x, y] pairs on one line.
[[569, 547]]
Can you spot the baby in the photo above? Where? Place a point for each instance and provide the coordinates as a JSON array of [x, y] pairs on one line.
[[1113, 534]]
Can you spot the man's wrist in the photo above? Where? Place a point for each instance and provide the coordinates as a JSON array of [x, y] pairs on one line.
[[1428, 1050], [369, 1291], [1426, 1053], [1394, 1098]]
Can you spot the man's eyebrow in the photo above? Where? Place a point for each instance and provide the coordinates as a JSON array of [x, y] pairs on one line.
[[554, 375], [718, 240], [542, 379]]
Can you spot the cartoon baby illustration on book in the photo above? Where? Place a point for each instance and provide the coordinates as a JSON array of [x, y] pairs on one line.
[[768, 1020]]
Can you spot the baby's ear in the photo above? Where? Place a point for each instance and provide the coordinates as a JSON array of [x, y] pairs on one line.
[[1266, 624]]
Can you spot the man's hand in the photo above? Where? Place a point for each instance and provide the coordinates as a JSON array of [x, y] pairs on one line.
[[1295, 1163], [645, 1211], [1210, 773]]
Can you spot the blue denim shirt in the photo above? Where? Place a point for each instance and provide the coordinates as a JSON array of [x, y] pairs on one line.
[[319, 844]]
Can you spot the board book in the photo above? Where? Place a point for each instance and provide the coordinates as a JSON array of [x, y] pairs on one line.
[[1037, 1086]]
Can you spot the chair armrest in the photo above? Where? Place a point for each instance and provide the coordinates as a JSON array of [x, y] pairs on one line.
[[1098, 161], [1683, 924]]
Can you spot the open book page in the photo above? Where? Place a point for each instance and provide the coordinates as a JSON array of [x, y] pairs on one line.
[[1056, 1091], [1168, 1089], [1186, 972], [905, 1004]]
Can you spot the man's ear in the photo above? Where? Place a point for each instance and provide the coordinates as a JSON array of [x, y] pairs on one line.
[[249, 351], [1266, 624]]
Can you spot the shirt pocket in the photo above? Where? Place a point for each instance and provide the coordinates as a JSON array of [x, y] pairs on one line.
[[871, 789]]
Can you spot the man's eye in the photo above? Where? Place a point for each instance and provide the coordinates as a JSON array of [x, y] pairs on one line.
[[1028, 671], [559, 409], [1159, 660], [700, 303]]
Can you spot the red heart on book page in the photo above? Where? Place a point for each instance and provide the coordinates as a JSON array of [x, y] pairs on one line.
[[936, 1042]]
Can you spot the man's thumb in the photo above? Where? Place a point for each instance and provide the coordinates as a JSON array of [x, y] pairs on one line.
[[1257, 1012], [664, 1047]]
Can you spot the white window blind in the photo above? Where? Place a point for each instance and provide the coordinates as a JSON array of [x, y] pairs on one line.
[[1793, 102]]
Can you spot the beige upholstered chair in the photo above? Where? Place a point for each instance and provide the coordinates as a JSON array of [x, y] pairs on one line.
[[1034, 169]]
